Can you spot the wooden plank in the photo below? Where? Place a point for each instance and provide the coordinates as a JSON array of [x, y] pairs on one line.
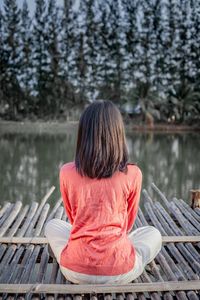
[[101, 288], [43, 240]]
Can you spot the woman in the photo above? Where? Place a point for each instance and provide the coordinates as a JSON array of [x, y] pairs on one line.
[[101, 192]]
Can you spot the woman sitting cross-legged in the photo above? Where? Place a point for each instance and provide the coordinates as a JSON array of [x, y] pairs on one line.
[[101, 192]]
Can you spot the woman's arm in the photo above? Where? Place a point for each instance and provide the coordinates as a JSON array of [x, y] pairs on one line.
[[66, 202], [133, 199]]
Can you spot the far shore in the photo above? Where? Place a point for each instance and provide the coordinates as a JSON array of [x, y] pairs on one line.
[[53, 127]]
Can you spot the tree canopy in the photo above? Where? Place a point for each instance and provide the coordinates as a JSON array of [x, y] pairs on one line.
[[141, 52]]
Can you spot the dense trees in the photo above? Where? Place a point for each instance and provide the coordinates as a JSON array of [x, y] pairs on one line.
[[144, 52], [10, 88], [26, 68]]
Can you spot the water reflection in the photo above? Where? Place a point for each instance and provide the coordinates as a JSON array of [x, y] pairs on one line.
[[30, 163], [169, 160]]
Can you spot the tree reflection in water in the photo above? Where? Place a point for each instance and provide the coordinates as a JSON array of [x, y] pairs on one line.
[[30, 163]]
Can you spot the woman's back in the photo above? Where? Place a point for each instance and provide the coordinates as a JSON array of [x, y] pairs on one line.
[[102, 212]]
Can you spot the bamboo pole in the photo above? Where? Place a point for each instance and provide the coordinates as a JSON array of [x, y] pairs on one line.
[[12, 253], [59, 212], [43, 240], [18, 221], [3, 248], [187, 214], [193, 212], [166, 264], [9, 220], [155, 217], [176, 229], [29, 217], [54, 210], [6, 214], [101, 288], [4, 208], [140, 221], [184, 222], [41, 219], [187, 271], [37, 214], [162, 196], [18, 273]]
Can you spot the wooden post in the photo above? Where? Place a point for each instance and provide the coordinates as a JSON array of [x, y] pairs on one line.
[[195, 198]]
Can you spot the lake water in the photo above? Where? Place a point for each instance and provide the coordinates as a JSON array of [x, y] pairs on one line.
[[30, 163]]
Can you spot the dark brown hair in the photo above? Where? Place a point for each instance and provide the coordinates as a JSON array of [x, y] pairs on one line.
[[101, 145]]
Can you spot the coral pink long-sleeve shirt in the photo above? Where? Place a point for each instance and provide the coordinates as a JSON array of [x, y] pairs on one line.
[[102, 213]]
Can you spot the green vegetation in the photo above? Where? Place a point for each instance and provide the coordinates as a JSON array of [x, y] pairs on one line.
[[56, 59]]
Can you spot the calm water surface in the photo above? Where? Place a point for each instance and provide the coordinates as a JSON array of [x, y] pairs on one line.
[[30, 163]]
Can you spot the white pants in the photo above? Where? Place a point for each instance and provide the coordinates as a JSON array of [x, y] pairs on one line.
[[147, 241]]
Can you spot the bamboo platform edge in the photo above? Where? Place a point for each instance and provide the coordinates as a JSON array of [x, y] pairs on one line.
[[101, 288]]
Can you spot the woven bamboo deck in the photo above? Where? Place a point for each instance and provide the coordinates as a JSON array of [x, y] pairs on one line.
[[27, 271]]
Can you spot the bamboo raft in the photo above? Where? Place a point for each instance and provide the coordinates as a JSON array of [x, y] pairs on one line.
[[28, 272]]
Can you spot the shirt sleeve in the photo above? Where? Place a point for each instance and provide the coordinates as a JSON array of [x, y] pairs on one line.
[[65, 199], [133, 200]]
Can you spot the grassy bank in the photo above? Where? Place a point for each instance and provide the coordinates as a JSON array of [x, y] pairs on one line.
[[53, 127]]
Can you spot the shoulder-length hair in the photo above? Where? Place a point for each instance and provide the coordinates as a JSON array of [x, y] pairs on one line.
[[101, 144]]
